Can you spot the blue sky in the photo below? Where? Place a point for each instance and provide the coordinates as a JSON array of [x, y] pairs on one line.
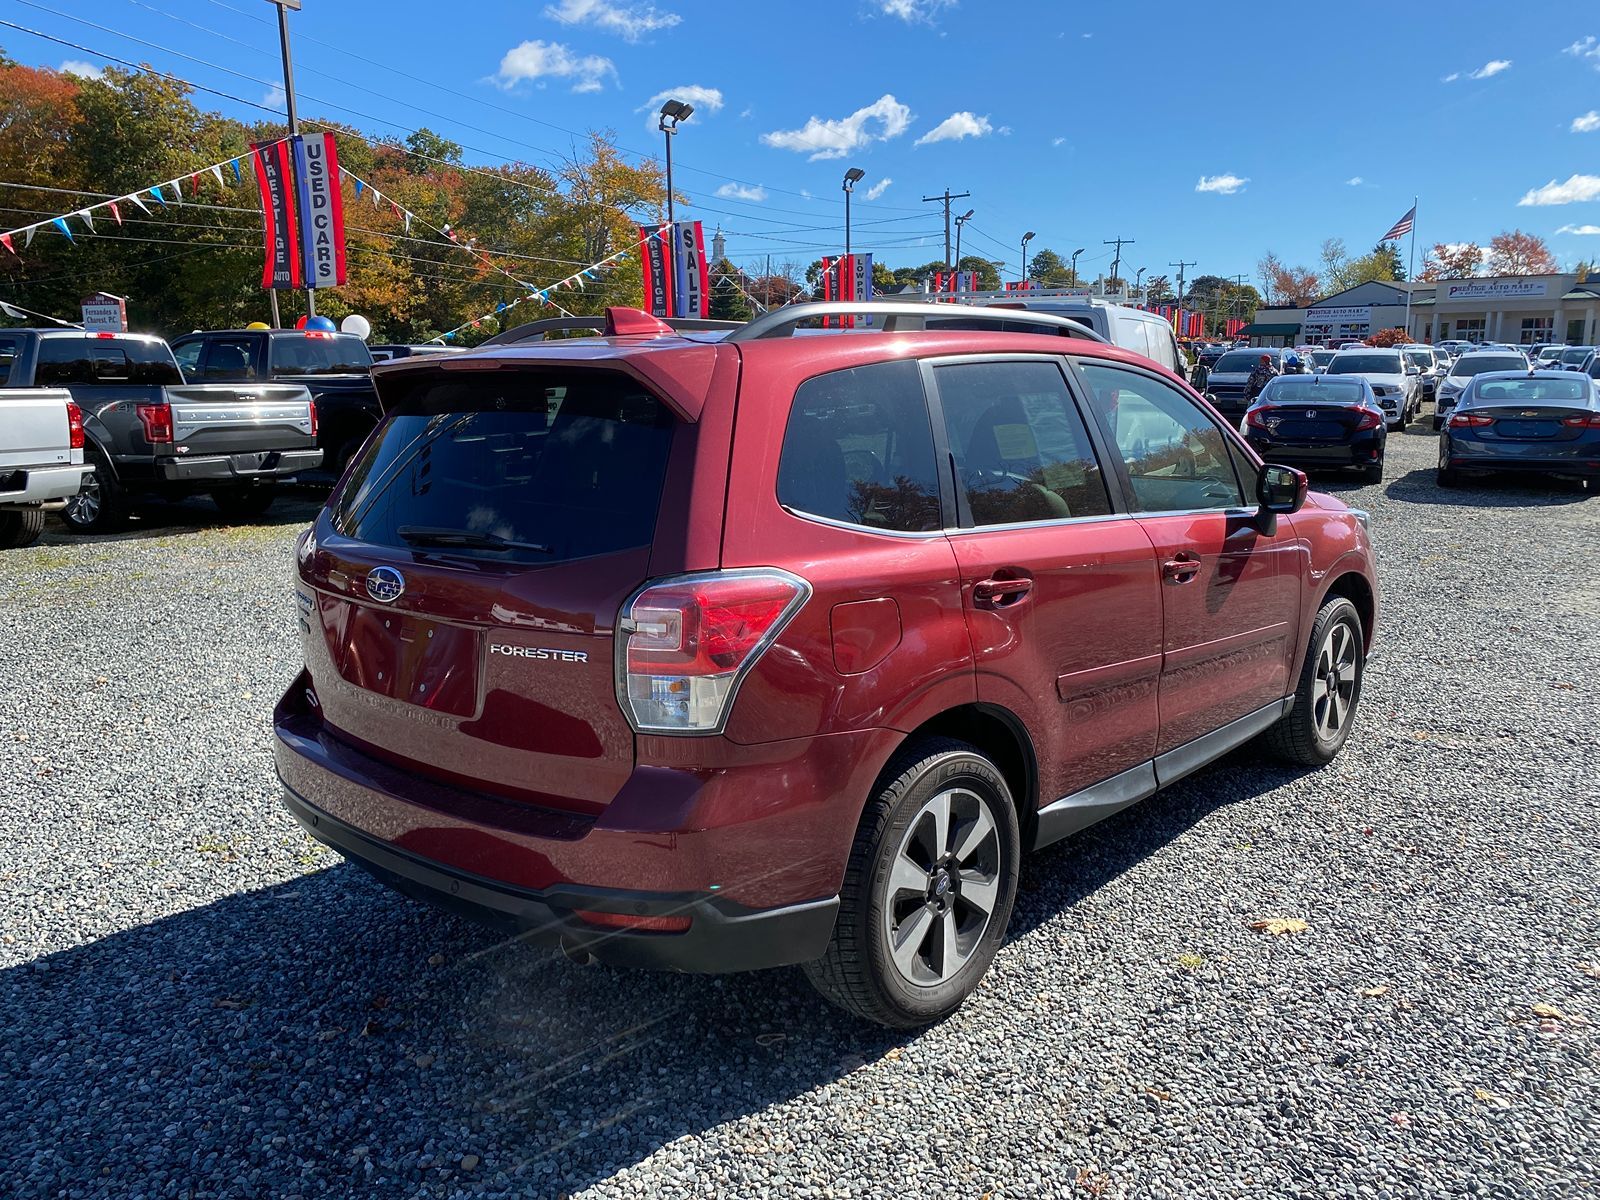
[[1206, 139]]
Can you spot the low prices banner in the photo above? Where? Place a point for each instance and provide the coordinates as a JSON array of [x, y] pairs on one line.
[[847, 277], [316, 163], [676, 273], [274, 176]]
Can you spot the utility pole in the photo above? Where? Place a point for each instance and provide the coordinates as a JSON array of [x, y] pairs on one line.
[[945, 199], [1116, 261], [1181, 266], [283, 7]]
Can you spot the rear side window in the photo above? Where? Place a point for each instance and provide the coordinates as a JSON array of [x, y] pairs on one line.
[[227, 360], [319, 354], [67, 360], [10, 348], [1131, 335], [858, 448], [63, 360], [1021, 450], [524, 467]]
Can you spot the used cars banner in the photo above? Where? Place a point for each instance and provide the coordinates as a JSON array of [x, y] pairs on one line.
[[316, 161], [274, 172]]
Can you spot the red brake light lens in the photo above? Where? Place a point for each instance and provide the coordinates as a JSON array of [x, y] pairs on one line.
[[1369, 419], [687, 642], [313, 407], [74, 426], [1256, 419], [157, 421], [1469, 420], [1588, 421]]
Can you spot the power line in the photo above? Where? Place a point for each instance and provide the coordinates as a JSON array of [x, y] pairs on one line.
[[945, 198], [1116, 263]]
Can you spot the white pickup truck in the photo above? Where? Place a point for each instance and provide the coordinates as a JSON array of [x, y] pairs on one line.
[[41, 459]]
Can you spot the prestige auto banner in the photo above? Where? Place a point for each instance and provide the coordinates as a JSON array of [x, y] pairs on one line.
[[274, 175]]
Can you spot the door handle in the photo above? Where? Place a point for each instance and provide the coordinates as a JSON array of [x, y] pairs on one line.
[[997, 593], [1181, 569]]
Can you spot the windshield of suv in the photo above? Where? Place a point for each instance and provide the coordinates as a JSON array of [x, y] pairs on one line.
[[1242, 361], [324, 354], [1323, 357], [525, 467], [1469, 365], [1365, 364], [1420, 358], [1315, 389]]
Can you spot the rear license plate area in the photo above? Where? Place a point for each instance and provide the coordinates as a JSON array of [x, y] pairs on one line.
[[404, 657]]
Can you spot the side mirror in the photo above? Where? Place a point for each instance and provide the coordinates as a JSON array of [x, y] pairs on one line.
[[1281, 489]]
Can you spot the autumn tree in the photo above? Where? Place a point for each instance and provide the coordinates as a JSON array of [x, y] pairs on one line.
[[1389, 337], [1516, 253], [1340, 272], [1451, 260], [1158, 289], [1292, 286]]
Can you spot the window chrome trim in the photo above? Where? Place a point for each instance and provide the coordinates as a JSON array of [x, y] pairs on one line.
[[834, 523]]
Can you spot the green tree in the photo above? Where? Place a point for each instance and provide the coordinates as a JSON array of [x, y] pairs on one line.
[[1049, 267], [728, 302]]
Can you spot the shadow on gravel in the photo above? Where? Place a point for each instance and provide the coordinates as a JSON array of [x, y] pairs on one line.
[[293, 507], [328, 1037], [1509, 490]]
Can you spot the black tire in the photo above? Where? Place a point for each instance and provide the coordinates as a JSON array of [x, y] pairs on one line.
[[20, 527], [245, 503], [1373, 474], [859, 972], [101, 505], [1446, 477], [1438, 423], [1302, 735]]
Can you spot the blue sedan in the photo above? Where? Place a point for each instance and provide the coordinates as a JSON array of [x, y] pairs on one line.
[[1541, 421]]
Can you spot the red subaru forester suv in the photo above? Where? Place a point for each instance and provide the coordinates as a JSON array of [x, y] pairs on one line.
[[723, 650]]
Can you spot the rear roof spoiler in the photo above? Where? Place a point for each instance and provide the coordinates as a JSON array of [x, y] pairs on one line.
[[904, 316], [538, 331]]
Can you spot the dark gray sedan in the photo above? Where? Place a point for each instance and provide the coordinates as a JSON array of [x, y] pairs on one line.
[[1541, 421]]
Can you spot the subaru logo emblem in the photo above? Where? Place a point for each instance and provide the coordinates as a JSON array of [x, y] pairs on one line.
[[384, 584]]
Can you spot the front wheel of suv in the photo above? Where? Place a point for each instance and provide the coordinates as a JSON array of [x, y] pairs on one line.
[[1314, 731], [927, 891]]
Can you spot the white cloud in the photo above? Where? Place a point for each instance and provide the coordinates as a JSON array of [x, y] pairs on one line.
[[1225, 185], [1354, 181], [541, 60], [1490, 69], [836, 138], [1576, 188], [738, 191], [81, 69], [1451, 78], [1058, 141], [1588, 123], [274, 99], [1588, 49], [912, 11], [1582, 230], [704, 99], [630, 22], [957, 126], [879, 188]]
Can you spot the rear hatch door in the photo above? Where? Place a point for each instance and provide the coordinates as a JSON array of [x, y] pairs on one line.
[[467, 576], [33, 428]]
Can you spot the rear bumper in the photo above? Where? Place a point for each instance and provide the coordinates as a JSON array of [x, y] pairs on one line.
[[722, 936], [37, 485], [1582, 462], [1360, 452], [237, 468]]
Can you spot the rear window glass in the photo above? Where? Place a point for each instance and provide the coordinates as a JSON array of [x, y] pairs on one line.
[[1575, 354], [1243, 361], [1365, 364], [1473, 364], [64, 360], [1317, 389], [326, 354], [858, 448], [527, 467], [10, 347], [1527, 391]]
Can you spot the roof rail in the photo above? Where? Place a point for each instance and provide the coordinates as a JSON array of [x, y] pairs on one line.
[[536, 331], [901, 317]]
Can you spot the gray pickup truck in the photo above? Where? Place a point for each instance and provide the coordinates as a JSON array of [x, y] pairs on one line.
[[150, 435], [41, 458]]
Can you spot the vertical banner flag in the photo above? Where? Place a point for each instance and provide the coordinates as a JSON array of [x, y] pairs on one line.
[[316, 163], [273, 176], [861, 276], [653, 260], [690, 295]]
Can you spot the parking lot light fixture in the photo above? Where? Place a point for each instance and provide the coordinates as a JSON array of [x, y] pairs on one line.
[[851, 177], [1026, 238], [960, 221], [672, 113]]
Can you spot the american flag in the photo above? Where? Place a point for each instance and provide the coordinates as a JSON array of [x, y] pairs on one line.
[[1402, 226]]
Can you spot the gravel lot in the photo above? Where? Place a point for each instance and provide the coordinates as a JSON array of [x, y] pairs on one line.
[[198, 1001]]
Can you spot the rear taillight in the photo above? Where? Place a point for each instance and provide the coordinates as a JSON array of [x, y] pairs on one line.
[[1256, 419], [313, 407], [74, 426], [157, 421], [685, 643], [1587, 421], [1470, 421], [1369, 419]]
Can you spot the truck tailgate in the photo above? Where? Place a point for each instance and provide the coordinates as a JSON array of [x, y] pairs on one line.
[[223, 418], [33, 428]]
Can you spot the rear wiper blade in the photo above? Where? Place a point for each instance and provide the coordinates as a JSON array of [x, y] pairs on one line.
[[431, 535]]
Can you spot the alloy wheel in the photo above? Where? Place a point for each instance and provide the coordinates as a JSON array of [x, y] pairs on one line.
[[943, 887], [84, 508], [1336, 678]]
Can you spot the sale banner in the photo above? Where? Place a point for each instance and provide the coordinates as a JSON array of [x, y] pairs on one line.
[[274, 176], [691, 296], [316, 161]]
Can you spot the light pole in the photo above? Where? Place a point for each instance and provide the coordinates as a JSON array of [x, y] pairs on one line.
[[672, 112], [960, 221], [1026, 238], [851, 177], [1138, 280], [1075, 253]]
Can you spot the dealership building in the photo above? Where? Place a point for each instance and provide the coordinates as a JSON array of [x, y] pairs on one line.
[[1520, 309]]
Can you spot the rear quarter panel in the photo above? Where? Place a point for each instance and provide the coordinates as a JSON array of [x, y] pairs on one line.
[[1331, 543]]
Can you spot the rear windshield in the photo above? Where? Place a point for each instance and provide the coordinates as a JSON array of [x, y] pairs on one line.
[[1476, 364], [66, 360], [325, 354], [1420, 358], [1528, 391], [1575, 354], [1316, 389], [1323, 357], [565, 466], [1365, 364], [1237, 360]]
